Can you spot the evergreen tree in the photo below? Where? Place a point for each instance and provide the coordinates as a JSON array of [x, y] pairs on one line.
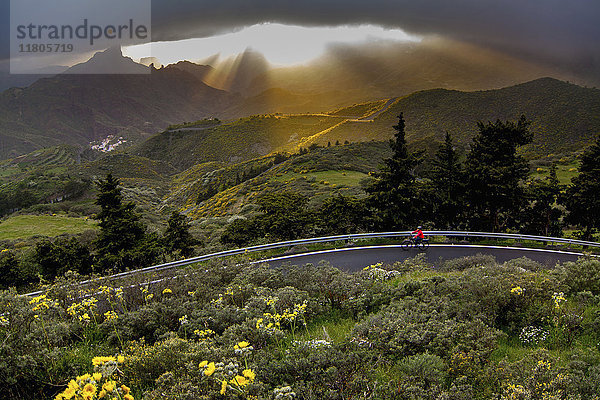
[[62, 255], [495, 172], [121, 232], [9, 269], [393, 192], [342, 214], [447, 182], [241, 231], [583, 195], [177, 236], [542, 216], [284, 215]]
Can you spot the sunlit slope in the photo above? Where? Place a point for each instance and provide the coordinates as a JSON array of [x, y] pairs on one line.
[[565, 117], [237, 141]]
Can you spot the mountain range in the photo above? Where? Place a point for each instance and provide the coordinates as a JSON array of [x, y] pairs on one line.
[[78, 109]]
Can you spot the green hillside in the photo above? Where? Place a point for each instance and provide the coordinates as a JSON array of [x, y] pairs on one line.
[[217, 171], [564, 118], [317, 174], [241, 140]]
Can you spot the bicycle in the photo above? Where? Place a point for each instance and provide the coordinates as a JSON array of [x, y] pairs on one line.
[[411, 242]]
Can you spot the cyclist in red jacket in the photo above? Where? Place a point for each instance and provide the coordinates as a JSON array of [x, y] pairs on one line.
[[418, 235]]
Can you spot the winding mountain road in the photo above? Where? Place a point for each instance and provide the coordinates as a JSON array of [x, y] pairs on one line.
[[353, 259]]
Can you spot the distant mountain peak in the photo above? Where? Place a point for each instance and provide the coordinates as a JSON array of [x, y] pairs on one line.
[[110, 60]]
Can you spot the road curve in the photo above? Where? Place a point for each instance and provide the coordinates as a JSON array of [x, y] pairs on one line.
[[355, 258]]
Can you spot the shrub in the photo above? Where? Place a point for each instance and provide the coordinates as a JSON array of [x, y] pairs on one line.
[[583, 275]]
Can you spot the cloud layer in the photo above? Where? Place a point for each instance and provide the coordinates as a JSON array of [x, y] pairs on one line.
[[557, 31], [561, 32]]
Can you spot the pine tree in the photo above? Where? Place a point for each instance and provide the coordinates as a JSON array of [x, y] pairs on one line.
[[285, 215], [177, 236], [121, 231], [341, 214], [495, 173], [447, 181], [542, 216], [583, 195], [393, 192]]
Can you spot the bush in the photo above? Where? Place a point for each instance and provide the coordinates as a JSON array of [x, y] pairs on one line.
[[583, 275]]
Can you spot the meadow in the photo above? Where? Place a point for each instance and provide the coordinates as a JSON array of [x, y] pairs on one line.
[[20, 227]]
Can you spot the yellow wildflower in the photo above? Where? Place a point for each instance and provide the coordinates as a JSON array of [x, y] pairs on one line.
[[84, 377], [210, 369], [240, 381], [109, 386], [109, 315], [223, 386], [248, 373], [96, 376], [101, 360], [167, 291], [89, 390], [120, 359], [517, 290], [203, 364], [241, 345]]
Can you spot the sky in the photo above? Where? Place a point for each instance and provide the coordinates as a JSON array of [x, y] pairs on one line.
[[281, 44], [565, 33]]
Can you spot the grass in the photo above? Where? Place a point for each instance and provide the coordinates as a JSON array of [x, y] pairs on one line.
[[338, 178], [511, 349], [335, 326], [26, 226], [564, 172], [417, 276]]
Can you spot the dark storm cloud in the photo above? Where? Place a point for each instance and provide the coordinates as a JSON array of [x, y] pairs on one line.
[[551, 30], [565, 32]]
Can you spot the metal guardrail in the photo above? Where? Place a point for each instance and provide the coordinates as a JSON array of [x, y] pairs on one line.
[[324, 239]]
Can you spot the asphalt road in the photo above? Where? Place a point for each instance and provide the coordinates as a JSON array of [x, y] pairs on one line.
[[355, 258]]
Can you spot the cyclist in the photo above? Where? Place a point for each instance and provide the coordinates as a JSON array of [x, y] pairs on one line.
[[418, 235]]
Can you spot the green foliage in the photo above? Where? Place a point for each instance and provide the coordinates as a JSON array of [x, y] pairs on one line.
[[541, 216], [241, 231], [447, 187], [9, 269], [122, 241], [393, 192], [583, 275], [177, 236], [62, 255], [582, 199], [341, 214], [495, 173], [284, 215]]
